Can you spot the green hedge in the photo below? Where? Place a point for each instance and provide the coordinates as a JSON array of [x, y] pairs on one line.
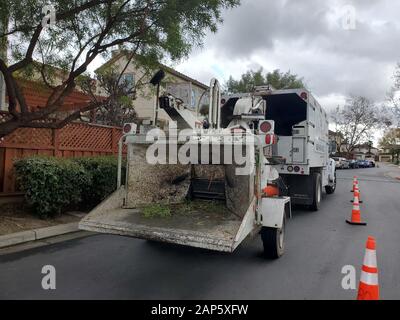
[[53, 185], [103, 174]]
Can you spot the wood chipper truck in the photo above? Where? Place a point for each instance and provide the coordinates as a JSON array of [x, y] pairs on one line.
[[211, 183]]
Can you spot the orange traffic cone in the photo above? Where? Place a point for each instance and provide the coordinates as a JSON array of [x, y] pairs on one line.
[[368, 288], [356, 213], [357, 192], [355, 182]]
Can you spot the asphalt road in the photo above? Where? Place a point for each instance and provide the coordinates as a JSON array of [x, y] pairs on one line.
[[318, 245]]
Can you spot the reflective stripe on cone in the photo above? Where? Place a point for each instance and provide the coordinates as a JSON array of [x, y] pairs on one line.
[[369, 288], [356, 213]]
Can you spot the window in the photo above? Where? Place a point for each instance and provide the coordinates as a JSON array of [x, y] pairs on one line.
[[194, 99], [128, 79]]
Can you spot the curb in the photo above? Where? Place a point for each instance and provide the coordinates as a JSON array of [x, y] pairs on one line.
[[37, 234]]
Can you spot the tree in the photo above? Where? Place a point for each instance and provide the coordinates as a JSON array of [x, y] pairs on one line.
[[390, 140], [357, 120], [84, 30], [393, 98], [118, 108], [276, 79]]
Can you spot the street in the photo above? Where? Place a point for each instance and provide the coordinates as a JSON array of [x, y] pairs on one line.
[[318, 245]]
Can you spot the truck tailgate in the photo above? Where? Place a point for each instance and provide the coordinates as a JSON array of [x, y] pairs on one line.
[[203, 229]]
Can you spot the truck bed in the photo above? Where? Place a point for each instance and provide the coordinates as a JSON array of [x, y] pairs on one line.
[[215, 230]]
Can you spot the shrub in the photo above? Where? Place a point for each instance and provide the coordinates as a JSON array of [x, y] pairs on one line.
[[51, 184], [103, 178]]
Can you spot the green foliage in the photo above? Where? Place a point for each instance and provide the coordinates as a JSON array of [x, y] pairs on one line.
[[204, 206], [51, 185], [185, 208], [103, 178], [156, 28], [156, 210], [276, 79]]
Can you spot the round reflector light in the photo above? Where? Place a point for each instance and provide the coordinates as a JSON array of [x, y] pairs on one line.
[[127, 128], [290, 168], [265, 127], [304, 95], [296, 169]]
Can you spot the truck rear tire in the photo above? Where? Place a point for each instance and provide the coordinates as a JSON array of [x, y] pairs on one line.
[[317, 191], [273, 241]]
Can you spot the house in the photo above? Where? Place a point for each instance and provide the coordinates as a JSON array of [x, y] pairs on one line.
[[365, 151], [193, 93], [390, 153], [36, 93], [362, 151], [385, 155], [335, 141]]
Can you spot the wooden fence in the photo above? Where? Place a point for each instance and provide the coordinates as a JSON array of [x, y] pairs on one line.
[[74, 140]]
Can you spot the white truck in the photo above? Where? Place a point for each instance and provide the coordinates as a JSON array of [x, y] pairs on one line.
[[205, 197], [301, 154]]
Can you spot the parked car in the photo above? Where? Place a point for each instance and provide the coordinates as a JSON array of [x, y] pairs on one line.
[[341, 163], [354, 164], [337, 162], [345, 164], [363, 163], [371, 163]]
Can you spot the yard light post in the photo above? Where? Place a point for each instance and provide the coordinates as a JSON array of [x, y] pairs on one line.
[[156, 81]]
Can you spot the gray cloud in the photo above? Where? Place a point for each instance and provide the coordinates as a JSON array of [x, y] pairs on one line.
[[307, 37]]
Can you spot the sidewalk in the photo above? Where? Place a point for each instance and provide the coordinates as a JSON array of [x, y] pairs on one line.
[[393, 170], [37, 234], [18, 226]]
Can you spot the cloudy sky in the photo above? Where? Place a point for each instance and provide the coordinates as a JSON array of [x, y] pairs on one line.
[[315, 39]]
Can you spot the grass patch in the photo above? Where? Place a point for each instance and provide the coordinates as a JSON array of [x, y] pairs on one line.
[[185, 208], [205, 206], [157, 210]]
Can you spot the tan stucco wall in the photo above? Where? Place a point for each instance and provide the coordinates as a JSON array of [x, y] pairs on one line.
[[145, 100]]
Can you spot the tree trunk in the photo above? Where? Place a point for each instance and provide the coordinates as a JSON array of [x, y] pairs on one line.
[[8, 127]]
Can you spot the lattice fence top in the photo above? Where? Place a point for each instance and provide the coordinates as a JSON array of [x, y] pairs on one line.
[[30, 137], [81, 136], [74, 136]]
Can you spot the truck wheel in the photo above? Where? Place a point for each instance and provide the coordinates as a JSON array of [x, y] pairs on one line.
[[317, 192], [273, 241], [331, 189]]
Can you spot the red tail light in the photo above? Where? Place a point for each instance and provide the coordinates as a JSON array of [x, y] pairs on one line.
[[270, 139], [304, 95]]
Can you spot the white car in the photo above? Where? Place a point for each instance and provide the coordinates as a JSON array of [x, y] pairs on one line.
[[341, 163]]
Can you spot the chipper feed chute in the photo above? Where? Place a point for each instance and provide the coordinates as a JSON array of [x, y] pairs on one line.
[[205, 206]]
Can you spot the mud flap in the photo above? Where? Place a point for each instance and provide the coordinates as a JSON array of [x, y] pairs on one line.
[[273, 210]]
